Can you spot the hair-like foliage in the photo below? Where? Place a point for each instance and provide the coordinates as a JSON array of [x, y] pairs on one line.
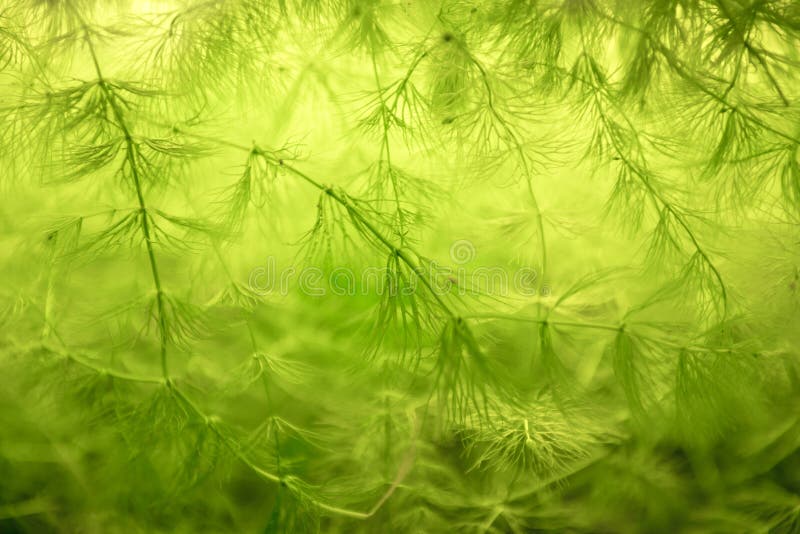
[[377, 266]]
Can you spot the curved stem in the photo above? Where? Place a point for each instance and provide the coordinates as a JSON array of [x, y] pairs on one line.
[[655, 195], [517, 146], [744, 36], [684, 72], [402, 253], [233, 446]]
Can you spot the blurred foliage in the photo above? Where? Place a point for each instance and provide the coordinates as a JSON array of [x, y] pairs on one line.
[[371, 266]]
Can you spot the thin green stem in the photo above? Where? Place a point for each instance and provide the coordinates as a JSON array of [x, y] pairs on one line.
[[744, 36], [517, 145], [402, 253], [232, 445], [130, 156], [107, 371], [536, 320], [236, 450], [385, 148], [655, 195], [685, 72]]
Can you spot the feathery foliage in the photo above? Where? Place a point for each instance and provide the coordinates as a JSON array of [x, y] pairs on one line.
[[369, 266]]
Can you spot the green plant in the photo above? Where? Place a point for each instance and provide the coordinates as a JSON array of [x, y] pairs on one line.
[[529, 266]]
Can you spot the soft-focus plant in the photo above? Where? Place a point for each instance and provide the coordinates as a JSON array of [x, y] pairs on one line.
[[630, 171]]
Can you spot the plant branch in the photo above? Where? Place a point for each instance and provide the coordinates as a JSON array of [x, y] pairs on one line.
[[342, 199], [685, 72], [130, 156]]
